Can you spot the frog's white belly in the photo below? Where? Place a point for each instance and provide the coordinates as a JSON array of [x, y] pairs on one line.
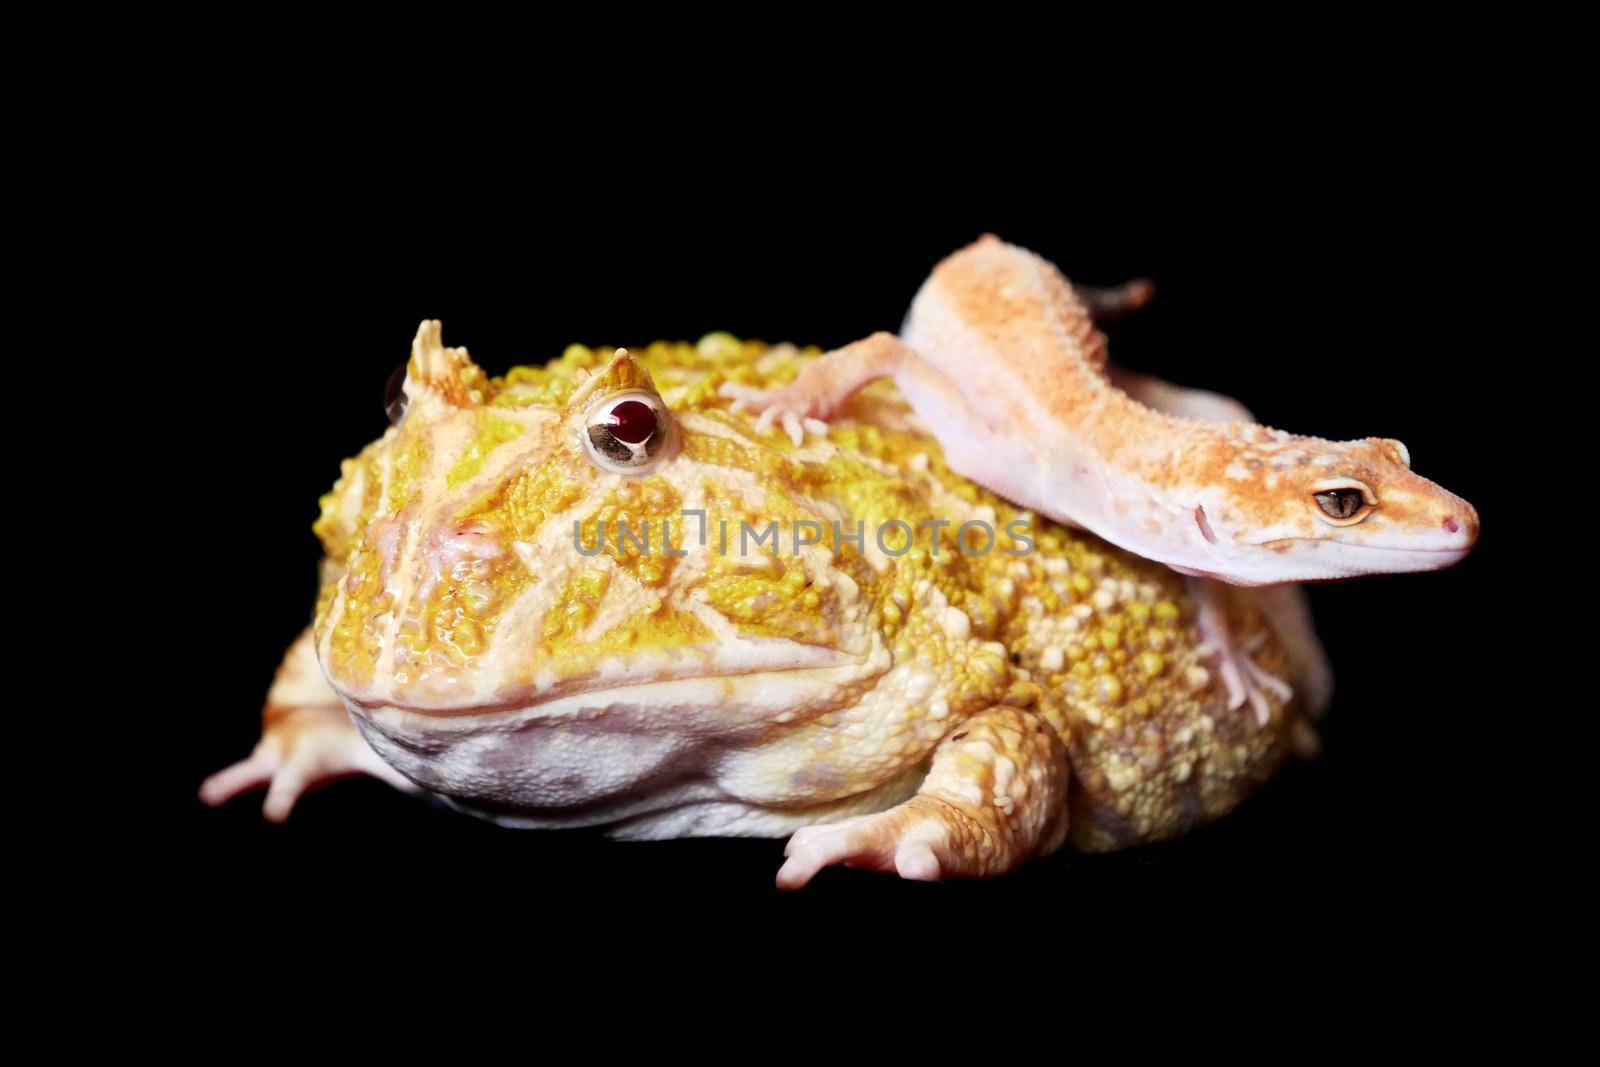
[[554, 772], [644, 758]]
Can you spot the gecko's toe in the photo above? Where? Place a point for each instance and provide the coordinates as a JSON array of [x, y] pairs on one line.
[[1265, 679], [794, 412], [743, 396]]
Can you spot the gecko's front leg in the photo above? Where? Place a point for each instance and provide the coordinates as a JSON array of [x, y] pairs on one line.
[[1284, 606], [824, 385], [307, 739], [1243, 679], [995, 795]]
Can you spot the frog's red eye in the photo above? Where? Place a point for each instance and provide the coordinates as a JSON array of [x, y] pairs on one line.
[[632, 421], [627, 433]]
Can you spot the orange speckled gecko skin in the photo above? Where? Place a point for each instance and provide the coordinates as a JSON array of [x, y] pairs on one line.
[[1002, 360]]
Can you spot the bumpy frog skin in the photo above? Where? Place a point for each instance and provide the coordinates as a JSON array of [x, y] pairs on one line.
[[929, 712]]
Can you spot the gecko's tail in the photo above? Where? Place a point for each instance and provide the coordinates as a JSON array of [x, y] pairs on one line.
[[1107, 307]]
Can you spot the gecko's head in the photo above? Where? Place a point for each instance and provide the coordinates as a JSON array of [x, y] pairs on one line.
[[1284, 508]]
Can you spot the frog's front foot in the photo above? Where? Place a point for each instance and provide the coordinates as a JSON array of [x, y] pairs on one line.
[[307, 738], [1243, 679], [796, 407], [300, 748]]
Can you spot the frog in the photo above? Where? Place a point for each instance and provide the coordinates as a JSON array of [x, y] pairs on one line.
[[599, 592]]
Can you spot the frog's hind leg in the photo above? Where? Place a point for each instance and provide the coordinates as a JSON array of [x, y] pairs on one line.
[[307, 739], [994, 796]]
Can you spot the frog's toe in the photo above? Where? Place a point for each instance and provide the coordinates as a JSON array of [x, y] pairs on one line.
[[303, 749], [285, 780], [288, 786], [882, 842], [916, 861], [241, 777]]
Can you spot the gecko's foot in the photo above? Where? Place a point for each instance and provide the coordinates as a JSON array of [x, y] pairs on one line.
[[798, 408], [1243, 679], [911, 840], [300, 749]]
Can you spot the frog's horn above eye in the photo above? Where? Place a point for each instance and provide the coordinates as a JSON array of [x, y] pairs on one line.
[[621, 374], [437, 375]]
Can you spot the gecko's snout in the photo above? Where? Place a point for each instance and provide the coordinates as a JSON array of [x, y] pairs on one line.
[[1462, 527], [1452, 533]]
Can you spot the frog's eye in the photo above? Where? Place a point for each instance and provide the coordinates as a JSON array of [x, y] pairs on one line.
[[394, 396], [1344, 502], [627, 433]]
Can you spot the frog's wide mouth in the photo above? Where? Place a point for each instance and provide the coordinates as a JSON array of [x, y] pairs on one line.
[[765, 674]]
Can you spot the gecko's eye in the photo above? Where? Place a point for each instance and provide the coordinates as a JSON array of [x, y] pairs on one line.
[[627, 433], [1340, 503], [1344, 503]]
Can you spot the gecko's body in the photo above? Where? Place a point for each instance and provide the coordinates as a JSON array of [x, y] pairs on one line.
[[1003, 361]]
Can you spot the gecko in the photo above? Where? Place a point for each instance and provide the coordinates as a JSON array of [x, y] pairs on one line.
[[926, 710], [1003, 360]]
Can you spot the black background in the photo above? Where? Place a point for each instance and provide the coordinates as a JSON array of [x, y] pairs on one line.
[[1316, 269]]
